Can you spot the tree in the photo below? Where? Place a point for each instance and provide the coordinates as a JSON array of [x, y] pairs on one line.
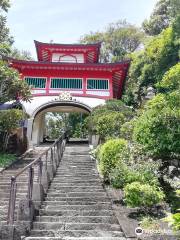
[[164, 13], [4, 30], [106, 120], [149, 65], [11, 86], [119, 39], [4, 5], [171, 80], [21, 55]]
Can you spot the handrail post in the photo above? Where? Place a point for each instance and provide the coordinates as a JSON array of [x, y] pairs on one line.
[[30, 183], [40, 163], [46, 159], [12, 201]]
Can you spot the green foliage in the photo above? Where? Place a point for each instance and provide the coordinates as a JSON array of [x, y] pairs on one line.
[[158, 128], [11, 87], [142, 195], [174, 220], [109, 154], [135, 165], [150, 223], [10, 119], [164, 13], [4, 30], [78, 125], [6, 159], [55, 124], [108, 124], [106, 120], [126, 130], [141, 172], [21, 55], [4, 5], [171, 80], [149, 66], [119, 39]]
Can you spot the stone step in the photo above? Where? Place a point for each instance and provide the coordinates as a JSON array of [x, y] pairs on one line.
[[78, 207], [69, 184], [77, 194], [75, 226], [105, 199], [8, 187], [73, 213], [6, 195], [7, 191], [18, 182], [85, 177], [59, 203], [78, 219], [95, 175], [94, 182], [75, 189], [74, 238], [76, 233]]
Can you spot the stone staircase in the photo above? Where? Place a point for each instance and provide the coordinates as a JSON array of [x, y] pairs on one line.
[[76, 205]]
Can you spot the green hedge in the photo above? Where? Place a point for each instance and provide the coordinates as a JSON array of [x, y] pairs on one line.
[[109, 154]]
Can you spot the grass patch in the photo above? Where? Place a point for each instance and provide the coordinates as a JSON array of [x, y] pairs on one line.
[[6, 159], [150, 223]]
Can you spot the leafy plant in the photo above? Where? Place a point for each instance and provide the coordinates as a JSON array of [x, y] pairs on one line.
[[174, 220], [6, 159], [171, 80], [157, 129], [144, 172], [11, 86], [109, 154], [142, 195], [9, 121]]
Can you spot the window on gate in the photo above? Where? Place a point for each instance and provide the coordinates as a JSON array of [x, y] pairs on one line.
[[36, 82], [101, 84], [66, 83]]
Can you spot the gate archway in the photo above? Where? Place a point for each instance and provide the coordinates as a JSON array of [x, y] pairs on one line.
[[36, 124]]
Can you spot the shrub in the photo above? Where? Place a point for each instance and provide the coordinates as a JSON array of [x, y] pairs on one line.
[[158, 129], [9, 121], [142, 195], [126, 130], [135, 165], [109, 154], [108, 124], [6, 159], [145, 172], [174, 221], [122, 175]]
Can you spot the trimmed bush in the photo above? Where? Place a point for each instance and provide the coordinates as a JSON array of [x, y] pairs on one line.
[[142, 195], [109, 154], [144, 173]]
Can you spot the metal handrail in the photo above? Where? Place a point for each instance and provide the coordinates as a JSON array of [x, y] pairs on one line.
[[57, 149]]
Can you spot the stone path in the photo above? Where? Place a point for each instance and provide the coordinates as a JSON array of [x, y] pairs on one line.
[[76, 206]]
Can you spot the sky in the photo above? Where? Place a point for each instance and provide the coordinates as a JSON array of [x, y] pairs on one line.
[[65, 21]]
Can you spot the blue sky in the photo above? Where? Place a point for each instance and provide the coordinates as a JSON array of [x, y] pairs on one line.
[[64, 21]]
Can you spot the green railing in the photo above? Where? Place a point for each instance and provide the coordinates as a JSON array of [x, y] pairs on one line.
[[66, 83], [101, 84]]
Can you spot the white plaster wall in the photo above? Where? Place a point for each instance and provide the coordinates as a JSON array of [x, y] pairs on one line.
[[38, 101]]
